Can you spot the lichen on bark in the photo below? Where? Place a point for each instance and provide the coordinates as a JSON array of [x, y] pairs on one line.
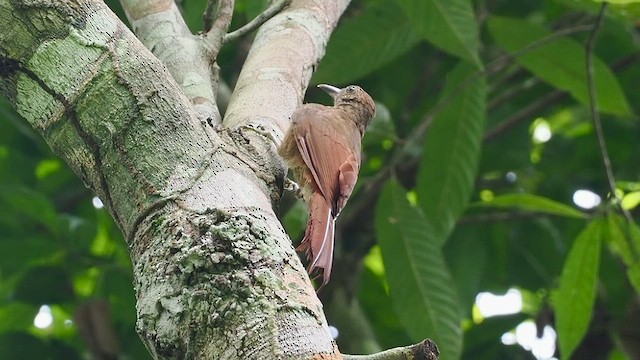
[[215, 274]]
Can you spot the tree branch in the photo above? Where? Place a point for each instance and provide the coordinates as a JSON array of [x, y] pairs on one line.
[[217, 18], [214, 272], [161, 28], [425, 350], [209, 14], [273, 9], [277, 70]]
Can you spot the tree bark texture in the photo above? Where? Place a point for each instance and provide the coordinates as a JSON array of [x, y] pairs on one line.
[[216, 276]]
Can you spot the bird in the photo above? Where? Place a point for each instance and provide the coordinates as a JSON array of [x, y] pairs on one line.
[[322, 147]]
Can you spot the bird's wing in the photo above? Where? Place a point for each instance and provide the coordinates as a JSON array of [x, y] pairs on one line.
[[325, 148]]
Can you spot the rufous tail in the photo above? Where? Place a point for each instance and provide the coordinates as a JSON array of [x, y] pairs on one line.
[[318, 238]]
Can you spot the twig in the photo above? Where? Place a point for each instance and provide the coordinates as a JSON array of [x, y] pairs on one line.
[[595, 113], [593, 101], [524, 113], [520, 88], [273, 9], [425, 350], [525, 85], [547, 39], [499, 216]]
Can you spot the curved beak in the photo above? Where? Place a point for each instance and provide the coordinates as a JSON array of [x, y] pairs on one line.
[[330, 89]]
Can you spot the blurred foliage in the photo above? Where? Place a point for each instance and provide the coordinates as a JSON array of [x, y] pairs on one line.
[[457, 193], [58, 253]]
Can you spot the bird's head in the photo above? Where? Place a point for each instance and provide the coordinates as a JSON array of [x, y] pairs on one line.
[[355, 98]]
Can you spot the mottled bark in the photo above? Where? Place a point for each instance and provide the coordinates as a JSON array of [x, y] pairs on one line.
[[215, 274]]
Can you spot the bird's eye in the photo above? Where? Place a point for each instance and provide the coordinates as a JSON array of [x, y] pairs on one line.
[[351, 89]]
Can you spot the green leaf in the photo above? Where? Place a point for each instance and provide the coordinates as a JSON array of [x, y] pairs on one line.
[[360, 45], [618, 2], [18, 253], [45, 285], [47, 167], [377, 306], [452, 151], [448, 24], [560, 62], [295, 220], [619, 243], [421, 287], [16, 316], [485, 336], [631, 200], [531, 202], [381, 131], [633, 273], [30, 204], [625, 241], [21, 345], [118, 281], [573, 303]]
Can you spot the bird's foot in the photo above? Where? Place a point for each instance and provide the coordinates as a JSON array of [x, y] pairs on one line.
[[292, 186]]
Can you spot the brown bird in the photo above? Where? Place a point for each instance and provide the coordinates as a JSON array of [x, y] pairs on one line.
[[322, 148]]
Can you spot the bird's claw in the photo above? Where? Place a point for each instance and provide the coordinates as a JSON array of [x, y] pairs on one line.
[[292, 186]]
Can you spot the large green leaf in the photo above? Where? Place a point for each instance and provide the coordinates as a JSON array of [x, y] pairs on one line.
[[360, 45], [448, 24], [531, 202], [421, 287], [560, 62], [452, 150], [573, 303]]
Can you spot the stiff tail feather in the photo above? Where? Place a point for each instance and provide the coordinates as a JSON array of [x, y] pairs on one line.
[[318, 238]]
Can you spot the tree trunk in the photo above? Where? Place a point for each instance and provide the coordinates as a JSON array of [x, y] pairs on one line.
[[216, 276]]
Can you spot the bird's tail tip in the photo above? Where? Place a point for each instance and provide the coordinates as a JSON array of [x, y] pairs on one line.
[[317, 243]]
